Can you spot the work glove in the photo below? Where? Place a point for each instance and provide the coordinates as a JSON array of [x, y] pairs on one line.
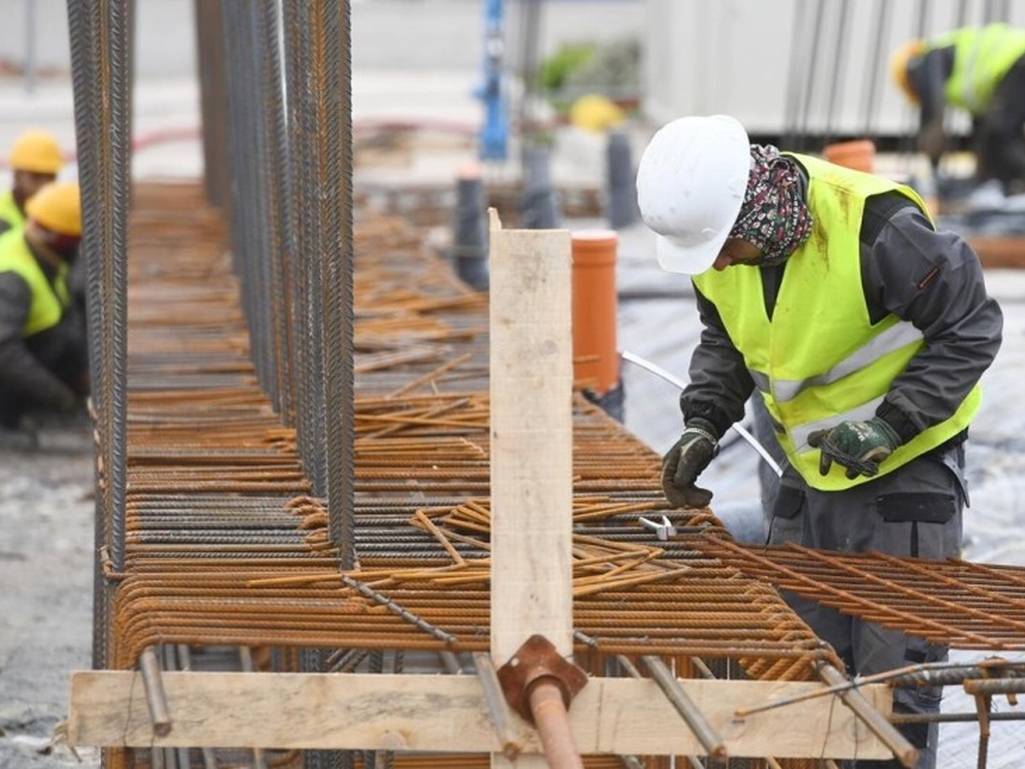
[[684, 462], [857, 446]]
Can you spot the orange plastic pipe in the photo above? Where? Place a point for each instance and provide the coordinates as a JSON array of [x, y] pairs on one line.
[[859, 154], [595, 357]]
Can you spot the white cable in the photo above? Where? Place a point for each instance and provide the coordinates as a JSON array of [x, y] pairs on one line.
[[741, 431]]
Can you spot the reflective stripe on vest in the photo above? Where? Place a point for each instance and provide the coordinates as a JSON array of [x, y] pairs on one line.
[[982, 56], [820, 360], [48, 301]]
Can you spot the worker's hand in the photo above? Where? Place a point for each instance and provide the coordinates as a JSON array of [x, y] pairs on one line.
[[932, 142], [684, 462], [857, 446]]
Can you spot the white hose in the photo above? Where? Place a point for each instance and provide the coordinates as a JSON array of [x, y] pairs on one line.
[[741, 431]]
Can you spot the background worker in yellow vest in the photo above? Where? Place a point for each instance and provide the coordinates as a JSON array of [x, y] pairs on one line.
[[980, 70], [35, 160], [43, 349], [865, 331]]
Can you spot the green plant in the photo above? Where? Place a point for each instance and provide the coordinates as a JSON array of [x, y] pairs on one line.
[[554, 71]]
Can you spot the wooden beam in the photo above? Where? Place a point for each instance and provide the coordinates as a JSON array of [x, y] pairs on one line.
[[531, 387], [1000, 252], [439, 713], [531, 381]]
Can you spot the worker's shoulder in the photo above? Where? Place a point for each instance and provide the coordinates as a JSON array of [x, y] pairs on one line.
[[880, 210]]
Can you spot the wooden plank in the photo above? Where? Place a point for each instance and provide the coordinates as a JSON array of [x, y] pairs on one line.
[[531, 381], [531, 388], [436, 713], [1000, 252]]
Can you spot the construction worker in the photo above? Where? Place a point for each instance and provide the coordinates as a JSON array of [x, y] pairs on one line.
[[865, 331], [980, 70], [43, 351], [35, 160]]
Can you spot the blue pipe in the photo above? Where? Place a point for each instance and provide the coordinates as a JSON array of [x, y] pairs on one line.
[[494, 134]]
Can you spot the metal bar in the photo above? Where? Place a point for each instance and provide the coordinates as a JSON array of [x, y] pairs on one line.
[[160, 716], [712, 742], [498, 706], [903, 750], [870, 104], [839, 62]]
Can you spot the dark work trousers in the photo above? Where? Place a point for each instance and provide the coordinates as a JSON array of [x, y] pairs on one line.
[[999, 133], [914, 511], [64, 352]]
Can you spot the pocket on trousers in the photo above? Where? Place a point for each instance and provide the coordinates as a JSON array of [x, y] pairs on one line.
[[954, 460], [786, 525], [917, 506]]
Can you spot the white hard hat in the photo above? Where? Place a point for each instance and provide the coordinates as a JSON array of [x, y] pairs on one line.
[[691, 181]]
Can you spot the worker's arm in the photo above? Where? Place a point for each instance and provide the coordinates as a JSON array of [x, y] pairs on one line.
[[935, 281], [719, 380], [20, 372], [929, 78]]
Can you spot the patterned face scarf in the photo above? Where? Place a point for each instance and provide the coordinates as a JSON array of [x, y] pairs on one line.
[[774, 216]]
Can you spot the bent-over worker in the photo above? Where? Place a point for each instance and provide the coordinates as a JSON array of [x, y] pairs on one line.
[[980, 70]]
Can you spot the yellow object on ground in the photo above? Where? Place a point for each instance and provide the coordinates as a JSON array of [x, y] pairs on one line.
[[595, 113]]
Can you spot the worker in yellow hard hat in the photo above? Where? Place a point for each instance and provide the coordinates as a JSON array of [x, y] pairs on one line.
[[35, 159], [43, 348], [981, 71]]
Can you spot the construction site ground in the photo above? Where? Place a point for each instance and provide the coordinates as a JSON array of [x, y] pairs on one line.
[[46, 527]]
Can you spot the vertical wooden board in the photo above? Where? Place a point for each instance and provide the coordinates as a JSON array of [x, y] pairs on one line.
[[531, 351]]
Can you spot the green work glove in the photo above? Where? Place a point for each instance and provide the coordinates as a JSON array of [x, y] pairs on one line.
[[684, 462], [857, 446]]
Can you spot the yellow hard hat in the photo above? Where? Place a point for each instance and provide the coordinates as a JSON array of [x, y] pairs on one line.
[[37, 151], [899, 67], [57, 207]]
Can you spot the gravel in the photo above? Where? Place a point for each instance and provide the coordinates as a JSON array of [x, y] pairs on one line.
[[46, 567]]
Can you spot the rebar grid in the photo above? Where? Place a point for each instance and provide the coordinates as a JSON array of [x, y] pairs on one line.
[[957, 603], [226, 544]]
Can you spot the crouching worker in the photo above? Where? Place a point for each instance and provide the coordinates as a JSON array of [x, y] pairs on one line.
[[44, 362]]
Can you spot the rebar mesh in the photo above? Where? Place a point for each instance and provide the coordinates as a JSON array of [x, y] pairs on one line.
[[293, 438]]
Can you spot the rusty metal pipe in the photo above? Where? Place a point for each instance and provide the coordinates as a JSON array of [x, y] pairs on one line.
[[991, 686], [552, 722]]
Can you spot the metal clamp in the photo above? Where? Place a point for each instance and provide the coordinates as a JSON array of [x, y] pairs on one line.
[[663, 530]]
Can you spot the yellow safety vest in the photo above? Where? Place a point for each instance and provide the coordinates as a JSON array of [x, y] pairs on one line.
[[9, 211], [982, 56], [48, 301], [820, 360]]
